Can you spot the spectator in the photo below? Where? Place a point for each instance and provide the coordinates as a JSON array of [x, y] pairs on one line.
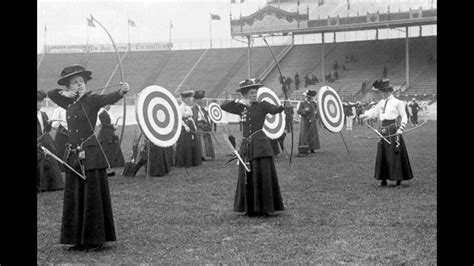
[[347, 59], [336, 75], [288, 82], [309, 137], [108, 139], [414, 111], [314, 79], [335, 66], [384, 72], [297, 81], [307, 80]]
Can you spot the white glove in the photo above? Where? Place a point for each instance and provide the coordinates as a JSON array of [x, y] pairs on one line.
[[399, 132], [186, 128]]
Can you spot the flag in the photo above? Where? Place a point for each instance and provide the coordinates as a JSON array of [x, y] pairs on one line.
[[45, 29], [348, 5], [131, 23], [232, 1], [90, 22], [320, 2], [171, 24], [242, 1], [215, 17]]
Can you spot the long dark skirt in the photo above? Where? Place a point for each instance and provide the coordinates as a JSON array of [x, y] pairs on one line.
[[114, 156], [262, 192], [159, 161], [87, 209], [49, 175], [110, 143], [207, 147], [170, 155], [188, 152], [392, 162], [309, 135]]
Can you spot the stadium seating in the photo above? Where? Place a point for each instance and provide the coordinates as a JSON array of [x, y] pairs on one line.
[[218, 71]]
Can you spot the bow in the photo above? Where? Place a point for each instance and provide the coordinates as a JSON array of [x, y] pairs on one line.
[[121, 80], [391, 135], [286, 95], [377, 132]]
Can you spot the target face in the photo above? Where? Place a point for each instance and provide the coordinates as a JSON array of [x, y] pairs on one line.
[[330, 109], [274, 124], [158, 116], [215, 113]]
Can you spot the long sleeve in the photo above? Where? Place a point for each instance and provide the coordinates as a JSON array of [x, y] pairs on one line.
[[233, 107], [103, 100], [59, 99], [403, 114], [271, 108], [374, 112]]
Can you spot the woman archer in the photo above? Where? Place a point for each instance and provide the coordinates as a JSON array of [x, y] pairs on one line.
[[258, 192], [87, 221], [392, 162]]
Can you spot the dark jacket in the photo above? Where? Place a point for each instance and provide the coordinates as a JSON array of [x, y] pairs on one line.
[[253, 118], [79, 129]]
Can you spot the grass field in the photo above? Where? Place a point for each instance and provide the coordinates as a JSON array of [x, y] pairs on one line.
[[336, 212]]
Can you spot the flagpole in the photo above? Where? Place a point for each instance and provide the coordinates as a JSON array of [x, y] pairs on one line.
[[87, 39], [210, 30], [44, 48], [170, 26], [128, 30]]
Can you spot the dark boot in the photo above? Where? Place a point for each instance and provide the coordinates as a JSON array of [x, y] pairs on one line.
[[384, 183], [399, 182]]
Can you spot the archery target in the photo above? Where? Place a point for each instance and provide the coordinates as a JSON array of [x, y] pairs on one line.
[[330, 109], [274, 125], [215, 113], [158, 116]]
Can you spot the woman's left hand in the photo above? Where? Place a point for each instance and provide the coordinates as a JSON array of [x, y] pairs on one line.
[[124, 88]]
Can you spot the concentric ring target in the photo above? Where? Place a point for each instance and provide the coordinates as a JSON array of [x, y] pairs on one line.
[[215, 113], [330, 109], [274, 124], [158, 116]]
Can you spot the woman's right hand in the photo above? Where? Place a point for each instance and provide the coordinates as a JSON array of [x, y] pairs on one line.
[[68, 93]]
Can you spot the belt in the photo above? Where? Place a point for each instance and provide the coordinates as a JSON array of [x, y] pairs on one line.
[[250, 137]]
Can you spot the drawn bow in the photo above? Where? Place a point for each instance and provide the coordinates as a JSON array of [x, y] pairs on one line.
[[121, 81], [285, 92]]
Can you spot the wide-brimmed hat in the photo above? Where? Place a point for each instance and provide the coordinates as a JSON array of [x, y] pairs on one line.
[[186, 94], [40, 95], [70, 71], [382, 85], [247, 84], [309, 93], [199, 94]]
